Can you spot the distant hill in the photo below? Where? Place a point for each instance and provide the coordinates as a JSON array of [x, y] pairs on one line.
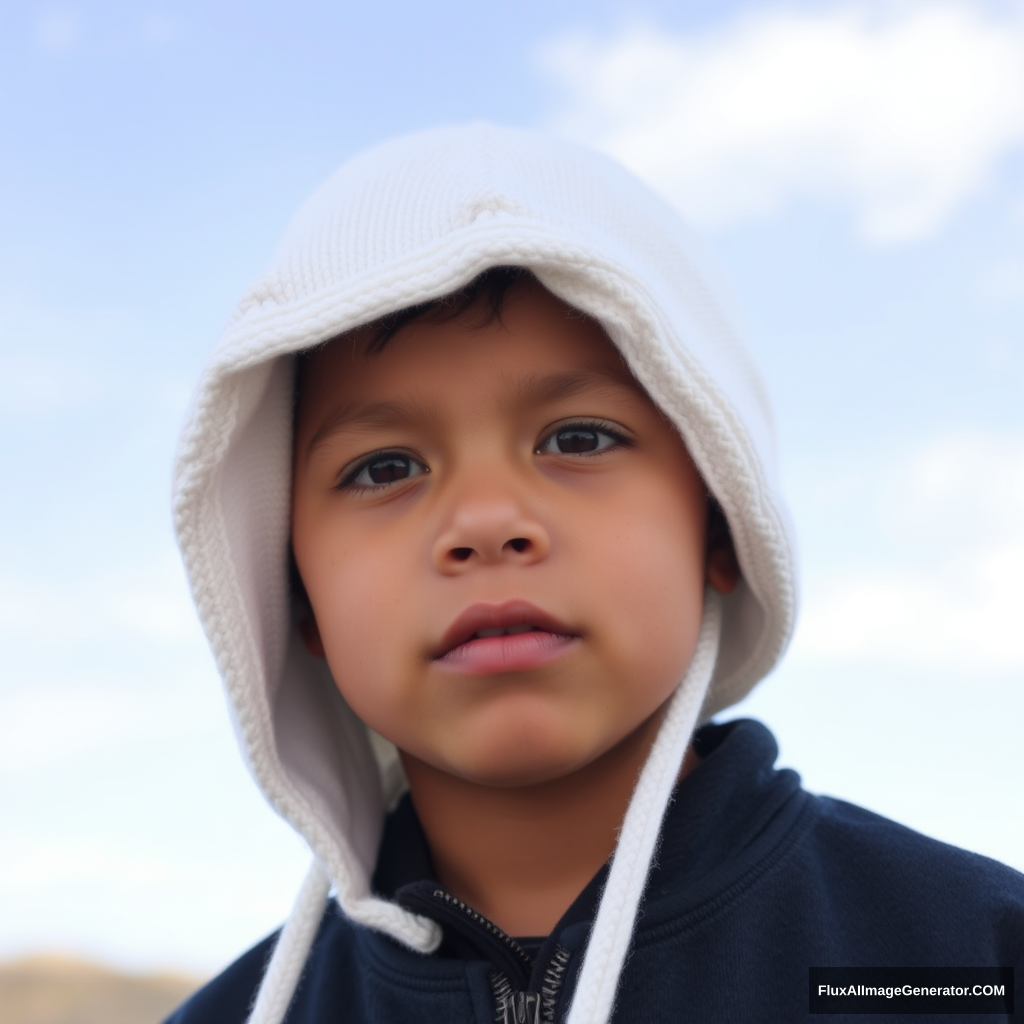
[[60, 990]]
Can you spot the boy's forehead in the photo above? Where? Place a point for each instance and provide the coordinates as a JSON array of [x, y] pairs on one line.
[[538, 350]]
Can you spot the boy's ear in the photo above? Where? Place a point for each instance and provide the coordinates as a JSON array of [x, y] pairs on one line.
[[722, 568], [310, 633], [723, 571]]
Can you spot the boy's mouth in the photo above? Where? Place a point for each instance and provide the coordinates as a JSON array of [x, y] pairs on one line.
[[510, 637]]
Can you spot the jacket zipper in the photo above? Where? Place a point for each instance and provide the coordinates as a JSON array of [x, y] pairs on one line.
[[515, 957], [527, 1007], [552, 983], [514, 1007], [515, 1002]]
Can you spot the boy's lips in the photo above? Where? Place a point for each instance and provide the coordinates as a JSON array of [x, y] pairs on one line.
[[528, 637]]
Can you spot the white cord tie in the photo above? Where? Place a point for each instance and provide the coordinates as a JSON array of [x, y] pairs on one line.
[[291, 951]]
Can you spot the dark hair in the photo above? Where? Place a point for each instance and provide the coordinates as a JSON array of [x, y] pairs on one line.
[[718, 531], [485, 293]]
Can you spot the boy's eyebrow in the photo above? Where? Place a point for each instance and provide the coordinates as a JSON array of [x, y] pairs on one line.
[[537, 388], [365, 415], [533, 389]]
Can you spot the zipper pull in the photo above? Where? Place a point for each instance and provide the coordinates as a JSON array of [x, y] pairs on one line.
[[521, 1008]]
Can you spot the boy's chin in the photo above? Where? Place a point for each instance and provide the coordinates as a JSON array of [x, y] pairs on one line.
[[518, 762], [513, 773], [533, 739]]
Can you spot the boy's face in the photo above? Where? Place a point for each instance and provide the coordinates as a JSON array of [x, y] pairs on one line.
[[506, 477]]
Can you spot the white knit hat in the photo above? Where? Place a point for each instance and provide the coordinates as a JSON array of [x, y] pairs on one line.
[[404, 223]]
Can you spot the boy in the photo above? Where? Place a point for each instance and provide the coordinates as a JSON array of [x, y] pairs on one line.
[[479, 509]]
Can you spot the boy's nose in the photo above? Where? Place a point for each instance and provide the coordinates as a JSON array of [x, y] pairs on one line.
[[490, 532]]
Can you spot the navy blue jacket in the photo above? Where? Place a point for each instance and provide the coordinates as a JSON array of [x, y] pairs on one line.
[[755, 881]]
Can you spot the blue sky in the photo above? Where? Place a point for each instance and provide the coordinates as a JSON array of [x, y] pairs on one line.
[[857, 168]]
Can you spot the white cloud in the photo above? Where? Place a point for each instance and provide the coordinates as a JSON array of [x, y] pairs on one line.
[[66, 695], [1003, 281], [56, 31], [41, 385], [98, 893], [70, 720], [899, 110], [39, 864], [147, 603], [953, 595], [48, 363]]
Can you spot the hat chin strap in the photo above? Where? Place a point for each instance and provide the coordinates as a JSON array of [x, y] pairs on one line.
[[606, 952], [610, 937]]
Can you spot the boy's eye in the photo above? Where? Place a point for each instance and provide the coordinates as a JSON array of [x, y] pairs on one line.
[[580, 439], [383, 468]]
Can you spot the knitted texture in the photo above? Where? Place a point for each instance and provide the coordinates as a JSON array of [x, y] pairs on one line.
[[594, 998], [402, 224]]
